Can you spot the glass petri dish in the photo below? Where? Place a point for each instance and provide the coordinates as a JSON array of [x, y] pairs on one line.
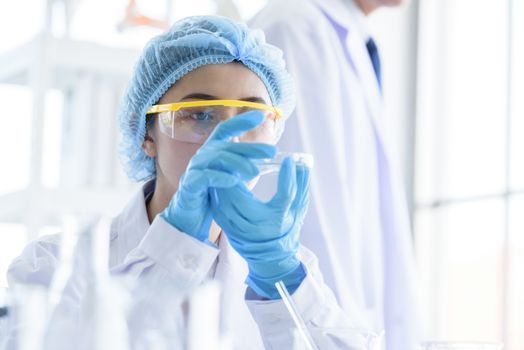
[[268, 166]]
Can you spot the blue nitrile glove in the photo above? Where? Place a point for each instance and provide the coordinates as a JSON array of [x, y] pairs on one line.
[[217, 163], [266, 235]]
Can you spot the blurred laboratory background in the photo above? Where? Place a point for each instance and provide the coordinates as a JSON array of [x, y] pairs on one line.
[[452, 71]]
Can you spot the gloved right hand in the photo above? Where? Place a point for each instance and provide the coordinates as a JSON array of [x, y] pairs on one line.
[[218, 163], [267, 233]]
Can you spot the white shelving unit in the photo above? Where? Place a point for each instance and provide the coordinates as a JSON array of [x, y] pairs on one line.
[[91, 78]]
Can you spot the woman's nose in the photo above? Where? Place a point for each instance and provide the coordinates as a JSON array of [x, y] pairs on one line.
[[230, 112]]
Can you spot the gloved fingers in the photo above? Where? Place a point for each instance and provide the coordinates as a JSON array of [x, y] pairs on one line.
[[197, 181], [225, 161], [244, 230], [239, 202], [287, 186], [236, 126], [248, 204], [251, 150], [192, 181], [220, 179], [303, 183], [225, 214], [245, 214], [234, 164]]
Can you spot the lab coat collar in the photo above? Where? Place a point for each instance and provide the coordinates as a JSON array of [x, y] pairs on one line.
[[345, 13], [132, 223], [359, 18], [230, 265]]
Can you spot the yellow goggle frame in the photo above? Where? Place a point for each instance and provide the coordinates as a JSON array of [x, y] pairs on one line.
[[171, 107]]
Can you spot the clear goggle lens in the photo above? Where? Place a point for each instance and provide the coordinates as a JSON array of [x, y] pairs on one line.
[[195, 124]]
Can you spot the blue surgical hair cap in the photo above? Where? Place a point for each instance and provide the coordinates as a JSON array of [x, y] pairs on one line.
[[191, 43]]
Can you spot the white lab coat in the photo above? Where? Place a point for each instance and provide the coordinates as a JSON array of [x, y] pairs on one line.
[[159, 252], [358, 222]]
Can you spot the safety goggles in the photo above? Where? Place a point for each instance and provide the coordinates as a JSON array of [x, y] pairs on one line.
[[193, 121]]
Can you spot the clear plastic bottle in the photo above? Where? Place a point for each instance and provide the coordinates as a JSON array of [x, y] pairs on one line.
[[103, 309], [88, 309]]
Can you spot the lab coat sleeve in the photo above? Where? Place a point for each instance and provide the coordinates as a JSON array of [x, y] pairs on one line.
[[163, 254], [166, 251], [316, 304], [34, 266], [37, 262]]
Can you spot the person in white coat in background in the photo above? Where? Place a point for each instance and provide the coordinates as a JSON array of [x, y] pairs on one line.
[[182, 136], [358, 223]]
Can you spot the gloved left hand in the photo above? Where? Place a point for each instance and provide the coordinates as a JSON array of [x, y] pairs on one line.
[[266, 235], [218, 163]]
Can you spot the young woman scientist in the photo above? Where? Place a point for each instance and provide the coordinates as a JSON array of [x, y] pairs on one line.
[[206, 99]]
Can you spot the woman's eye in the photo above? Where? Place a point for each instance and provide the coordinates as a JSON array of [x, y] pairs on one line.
[[202, 116]]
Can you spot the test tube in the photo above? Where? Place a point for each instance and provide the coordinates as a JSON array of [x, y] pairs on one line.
[[295, 315]]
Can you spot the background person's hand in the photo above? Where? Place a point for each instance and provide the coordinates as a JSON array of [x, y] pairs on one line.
[[267, 235], [218, 163]]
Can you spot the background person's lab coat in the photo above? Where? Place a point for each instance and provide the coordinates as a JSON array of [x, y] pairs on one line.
[[358, 219]]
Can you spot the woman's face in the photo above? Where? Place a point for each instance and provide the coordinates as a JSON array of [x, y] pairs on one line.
[[210, 82]]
